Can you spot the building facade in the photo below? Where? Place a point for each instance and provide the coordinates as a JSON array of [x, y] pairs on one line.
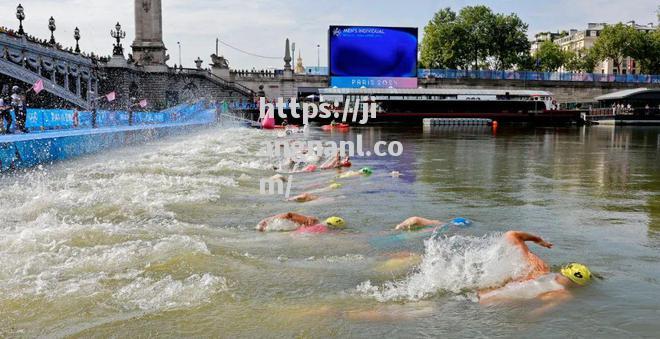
[[579, 41]]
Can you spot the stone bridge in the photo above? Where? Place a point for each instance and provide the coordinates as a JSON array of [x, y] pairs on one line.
[[66, 75], [276, 85]]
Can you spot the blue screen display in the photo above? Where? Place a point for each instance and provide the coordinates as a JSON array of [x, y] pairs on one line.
[[372, 52]]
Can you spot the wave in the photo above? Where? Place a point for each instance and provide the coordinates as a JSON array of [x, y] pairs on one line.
[[455, 264]]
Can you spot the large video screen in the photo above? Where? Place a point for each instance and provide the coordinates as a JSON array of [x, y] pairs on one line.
[[372, 57]]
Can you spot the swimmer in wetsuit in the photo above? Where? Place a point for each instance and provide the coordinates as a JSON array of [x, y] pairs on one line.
[[336, 162], [364, 171], [414, 223], [299, 223], [540, 282], [310, 196]]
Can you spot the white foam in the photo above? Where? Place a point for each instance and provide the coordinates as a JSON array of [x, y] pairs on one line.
[[149, 294], [76, 226], [281, 225], [455, 264]]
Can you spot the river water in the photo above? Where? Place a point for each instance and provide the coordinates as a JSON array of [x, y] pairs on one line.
[[159, 239]]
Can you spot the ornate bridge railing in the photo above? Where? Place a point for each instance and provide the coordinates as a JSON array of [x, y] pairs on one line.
[[230, 86], [68, 76]]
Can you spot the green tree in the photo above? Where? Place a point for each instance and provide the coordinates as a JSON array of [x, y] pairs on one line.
[[581, 61], [474, 38], [549, 57], [615, 43], [477, 24], [438, 48], [510, 45], [646, 51]]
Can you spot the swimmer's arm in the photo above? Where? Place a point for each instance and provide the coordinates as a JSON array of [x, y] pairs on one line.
[[332, 162], [413, 222], [295, 217], [300, 219], [519, 238], [305, 197]]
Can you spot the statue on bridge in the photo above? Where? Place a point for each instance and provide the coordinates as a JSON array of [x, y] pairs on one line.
[[219, 61]]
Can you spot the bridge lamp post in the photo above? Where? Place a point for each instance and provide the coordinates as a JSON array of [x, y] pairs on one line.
[[52, 27], [118, 34], [20, 15], [180, 62], [76, 35]]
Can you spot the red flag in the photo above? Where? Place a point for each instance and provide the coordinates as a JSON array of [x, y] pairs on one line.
[[38, 86], [111, 96], [143, 103]]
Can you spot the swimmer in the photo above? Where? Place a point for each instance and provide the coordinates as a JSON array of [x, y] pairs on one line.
[[336, 162], [364, 171], [309, 168], [395, 174], [299, 223], [540, 282], [415, 223], [305, 197]]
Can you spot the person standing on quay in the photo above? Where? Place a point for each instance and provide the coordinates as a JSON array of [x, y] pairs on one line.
[[5, 110], [131, 104], [20, 108]]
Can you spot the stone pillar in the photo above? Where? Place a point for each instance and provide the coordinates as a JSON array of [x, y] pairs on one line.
[[66, 79], [148, 47], [78, 84], [287, 83]]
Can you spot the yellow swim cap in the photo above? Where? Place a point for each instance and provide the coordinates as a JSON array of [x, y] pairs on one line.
[[577, 273], [335, 185], [335, 222]]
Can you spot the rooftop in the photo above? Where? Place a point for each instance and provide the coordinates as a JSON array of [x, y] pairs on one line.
[[620, 95]]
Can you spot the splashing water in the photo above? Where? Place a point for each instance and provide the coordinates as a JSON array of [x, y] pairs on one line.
[[108, 229], [454, 264]]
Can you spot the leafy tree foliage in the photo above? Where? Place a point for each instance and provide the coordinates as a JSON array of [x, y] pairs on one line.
[[474, 38], [615, 43], [549, 57]]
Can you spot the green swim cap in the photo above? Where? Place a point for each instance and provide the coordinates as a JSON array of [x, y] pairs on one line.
[[366, 171]]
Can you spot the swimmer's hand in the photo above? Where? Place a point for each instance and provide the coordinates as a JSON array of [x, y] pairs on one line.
[[544, 244]]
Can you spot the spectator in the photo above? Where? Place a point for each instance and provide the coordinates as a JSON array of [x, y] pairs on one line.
[[18, 101], [5, 110], [76, 120]]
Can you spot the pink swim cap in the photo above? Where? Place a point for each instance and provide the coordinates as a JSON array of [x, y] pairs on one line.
[[310, 168]]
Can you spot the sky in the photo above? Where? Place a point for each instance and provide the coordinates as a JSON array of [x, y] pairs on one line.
[[261, 26]]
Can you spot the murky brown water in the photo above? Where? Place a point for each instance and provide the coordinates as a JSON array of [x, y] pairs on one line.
[[158, 239]]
